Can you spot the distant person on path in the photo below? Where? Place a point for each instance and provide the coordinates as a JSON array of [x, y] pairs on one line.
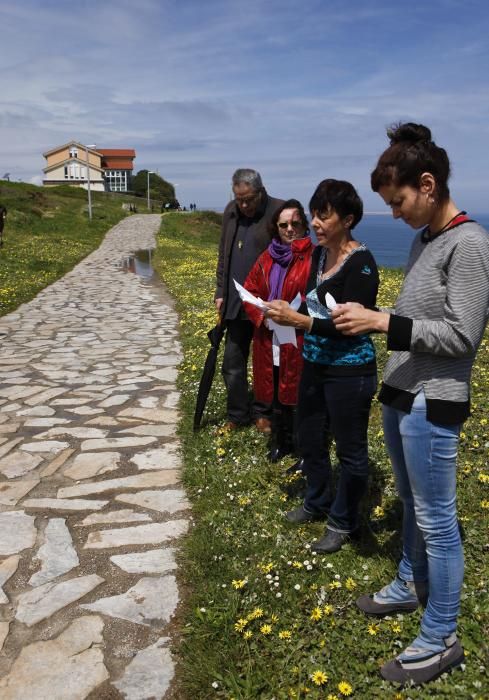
[[434, 333], [244, 237], [3, 216], [339, 378], [281, 272]]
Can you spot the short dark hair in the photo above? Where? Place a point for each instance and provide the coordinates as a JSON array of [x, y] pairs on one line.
[[340, 196], [410, 154], [289, 204]]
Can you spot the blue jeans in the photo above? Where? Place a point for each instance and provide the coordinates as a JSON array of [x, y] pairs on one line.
[[339, 405], [424, 460]]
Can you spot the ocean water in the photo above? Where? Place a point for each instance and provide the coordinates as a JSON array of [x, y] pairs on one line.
[[388, 239]]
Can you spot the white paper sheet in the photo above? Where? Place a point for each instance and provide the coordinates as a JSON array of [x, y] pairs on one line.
[[247, 296], [330, 301], [285, 334]]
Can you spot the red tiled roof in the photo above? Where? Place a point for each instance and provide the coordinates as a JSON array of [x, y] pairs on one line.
[[118, 152], [117, 164]]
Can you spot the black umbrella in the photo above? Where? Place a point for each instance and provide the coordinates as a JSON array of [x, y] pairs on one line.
[[215, 336]]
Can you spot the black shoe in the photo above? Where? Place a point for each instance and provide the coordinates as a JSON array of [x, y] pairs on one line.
[[276, 453], [294, 468], [295, 483], [423, 670], [331, 542], [300, 515], [368, 605]]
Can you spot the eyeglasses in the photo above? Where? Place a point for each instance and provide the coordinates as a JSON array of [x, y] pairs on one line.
[[247, 200], [285, 225]]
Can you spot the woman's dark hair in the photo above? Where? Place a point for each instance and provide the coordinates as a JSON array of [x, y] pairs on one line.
[[412, 153], [289, 204], [340, 196]]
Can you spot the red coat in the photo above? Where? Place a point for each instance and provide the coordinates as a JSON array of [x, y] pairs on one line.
[[290, 357]]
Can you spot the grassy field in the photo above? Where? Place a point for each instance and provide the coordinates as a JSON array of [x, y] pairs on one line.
[[47, 231], [263, 617]]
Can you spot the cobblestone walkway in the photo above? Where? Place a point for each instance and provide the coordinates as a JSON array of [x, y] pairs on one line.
[[90, 502]]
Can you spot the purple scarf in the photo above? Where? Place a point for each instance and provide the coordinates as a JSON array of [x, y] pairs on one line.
[[281, 254]]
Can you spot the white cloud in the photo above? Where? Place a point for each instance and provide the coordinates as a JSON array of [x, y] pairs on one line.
[[301, 91]]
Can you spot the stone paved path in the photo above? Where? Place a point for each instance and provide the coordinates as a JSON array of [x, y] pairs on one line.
[[90, 501]]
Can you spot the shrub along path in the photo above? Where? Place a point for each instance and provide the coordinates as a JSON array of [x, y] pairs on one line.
[[90, 502]]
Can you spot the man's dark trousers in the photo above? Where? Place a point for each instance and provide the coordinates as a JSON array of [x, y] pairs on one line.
[[239, 333]]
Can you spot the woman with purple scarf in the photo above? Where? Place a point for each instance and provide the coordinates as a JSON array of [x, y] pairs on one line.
[[281, 272]]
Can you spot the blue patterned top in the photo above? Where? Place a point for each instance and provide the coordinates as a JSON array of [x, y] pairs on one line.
[[355, 280]]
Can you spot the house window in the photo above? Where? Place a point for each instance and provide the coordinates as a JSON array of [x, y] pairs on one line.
[[73, 152], [66, 171], [116, 180]]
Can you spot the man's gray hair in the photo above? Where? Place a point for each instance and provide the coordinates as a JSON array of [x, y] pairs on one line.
[[249, 177]]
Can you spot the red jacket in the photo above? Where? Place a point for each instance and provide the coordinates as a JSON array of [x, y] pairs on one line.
[[290, 357]]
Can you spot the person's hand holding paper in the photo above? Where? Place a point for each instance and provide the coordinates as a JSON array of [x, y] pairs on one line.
[[284, 333]]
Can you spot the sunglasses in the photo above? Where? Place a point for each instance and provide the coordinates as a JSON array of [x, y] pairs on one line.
[[247, 200], [285, 225]]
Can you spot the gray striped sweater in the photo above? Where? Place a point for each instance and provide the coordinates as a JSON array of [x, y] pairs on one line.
[[438, 322]]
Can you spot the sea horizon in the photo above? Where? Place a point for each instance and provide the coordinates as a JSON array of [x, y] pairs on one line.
[[389, 240]]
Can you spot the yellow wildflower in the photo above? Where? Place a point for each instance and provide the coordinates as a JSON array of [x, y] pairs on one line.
[[328, 609], [266, 568], [285, 634], [239, 583], [266, 629], [274, 618], [345, 688], [335, 584], [484, 504], [378, 512], [316, 614], [350, 584], [396, 627], [373, 629], [483, 478], [319, 678], [240, 624], [297, 564], [256, 614], [248, 634], [220, 452]]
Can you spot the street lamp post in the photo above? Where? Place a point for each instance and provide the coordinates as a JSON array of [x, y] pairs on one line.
[[150, 172], [93, 145]]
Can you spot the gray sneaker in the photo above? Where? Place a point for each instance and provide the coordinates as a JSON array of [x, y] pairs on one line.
[[418, 667], [397, 597]]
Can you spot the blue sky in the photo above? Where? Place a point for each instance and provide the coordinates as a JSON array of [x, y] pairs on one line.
[[299, 90]]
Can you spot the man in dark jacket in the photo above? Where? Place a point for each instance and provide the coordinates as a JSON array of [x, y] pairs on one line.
[[244, 237]]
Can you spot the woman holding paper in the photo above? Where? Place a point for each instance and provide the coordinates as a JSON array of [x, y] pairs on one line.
[[281, 272], [434, 333], [339, 378]]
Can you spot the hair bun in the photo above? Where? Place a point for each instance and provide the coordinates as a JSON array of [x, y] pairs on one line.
[[409, 132]]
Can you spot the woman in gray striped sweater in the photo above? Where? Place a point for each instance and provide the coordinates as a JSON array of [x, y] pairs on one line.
[[434, 333]]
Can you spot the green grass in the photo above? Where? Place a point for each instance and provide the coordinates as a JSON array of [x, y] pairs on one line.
[[47, 231], [247, 571]]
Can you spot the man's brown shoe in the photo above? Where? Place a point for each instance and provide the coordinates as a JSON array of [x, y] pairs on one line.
[[263, 425], [231, 425]]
